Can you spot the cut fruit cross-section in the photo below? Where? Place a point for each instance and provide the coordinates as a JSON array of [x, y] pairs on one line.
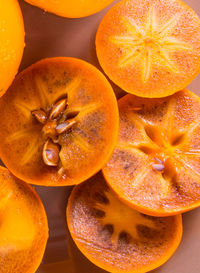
[[155, 167], [115, 237], [142, 45], [23, 226], [59, 122]]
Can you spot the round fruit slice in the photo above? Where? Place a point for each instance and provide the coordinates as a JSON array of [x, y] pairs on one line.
[[150, 48], [71, 9], [11, 42], [23, 226], [59, 122], [155, 166], [115, 237]]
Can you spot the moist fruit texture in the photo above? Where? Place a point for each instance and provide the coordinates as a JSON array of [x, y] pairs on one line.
[[23, 226], [155, 166], [150, 48], [59, 122], [11, 42], [115, 237], [71, 8]]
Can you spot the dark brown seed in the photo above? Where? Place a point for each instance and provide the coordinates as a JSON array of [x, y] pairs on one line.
[[40, 115], [65, 126], [71, 114], [58, 108], [50, 153]]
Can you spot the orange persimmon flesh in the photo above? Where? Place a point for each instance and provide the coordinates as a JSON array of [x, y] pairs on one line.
[[11, 42], [23, 226], [71, 8], [115, 237], [150, 48], [155, 167], [59, 122]]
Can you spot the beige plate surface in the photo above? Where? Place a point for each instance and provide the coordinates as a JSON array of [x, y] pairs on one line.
[[48, 35]]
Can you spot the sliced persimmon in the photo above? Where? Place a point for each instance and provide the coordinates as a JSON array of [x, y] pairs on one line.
[[11, 42], [150, 48], [155, 167], [115, 237], [23, 226], [71, 9], [59, 122]]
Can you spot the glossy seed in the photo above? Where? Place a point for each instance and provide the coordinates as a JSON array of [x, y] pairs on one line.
[[40, 115], [158, 167], [65, 126], [50, 153], [58, 108], [71, 114]]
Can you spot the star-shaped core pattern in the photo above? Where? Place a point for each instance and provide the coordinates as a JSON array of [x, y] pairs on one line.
[[162, 150], [114, 211], [153, 43]]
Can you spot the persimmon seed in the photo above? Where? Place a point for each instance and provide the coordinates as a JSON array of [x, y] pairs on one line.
[[58, 108], [40, 115], [65, 126], [50, 153]]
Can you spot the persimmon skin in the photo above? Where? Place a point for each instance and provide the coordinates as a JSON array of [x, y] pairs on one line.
[[97, 123], [84, 226], [142, 66], [148, 141], [24, 226], [11, 42], [71, 9]]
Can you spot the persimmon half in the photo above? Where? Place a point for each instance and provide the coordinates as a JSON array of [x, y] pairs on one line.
[[59, 122], [115, 237], [23, 226], [155, 167], [71, 8], [150, 48], [11, 42]]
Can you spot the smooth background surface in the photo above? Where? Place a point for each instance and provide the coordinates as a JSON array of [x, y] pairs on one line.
[[48, 35]]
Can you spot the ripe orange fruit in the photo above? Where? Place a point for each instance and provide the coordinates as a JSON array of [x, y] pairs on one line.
[[59, 122], [155, 167], [11, 42], [150, 48], [71, 9], [116, 237], [23, 226]]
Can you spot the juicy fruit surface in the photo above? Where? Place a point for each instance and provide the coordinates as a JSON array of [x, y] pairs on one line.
[[11, 42], [142, 45], [23, 226], [155, 166], [116, 237], [59, 122], [71, 9]]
